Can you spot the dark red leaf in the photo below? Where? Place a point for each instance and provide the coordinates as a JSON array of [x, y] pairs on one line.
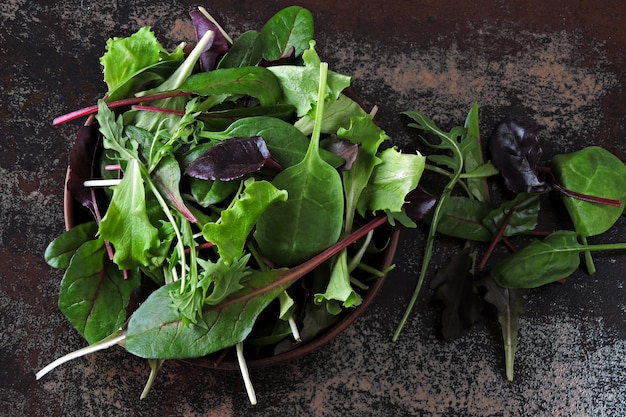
[[216, 47], [230, 159], [82, 160], [515, 152], [418, 203]]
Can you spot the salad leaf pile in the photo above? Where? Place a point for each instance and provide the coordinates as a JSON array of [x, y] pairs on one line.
[[234, 188], [483, 214], [217, 177]]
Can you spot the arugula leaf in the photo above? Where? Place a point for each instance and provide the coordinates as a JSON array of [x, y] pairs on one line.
[[231, 231], [126, 224], [287, 32], [448, 141], [94, 293]]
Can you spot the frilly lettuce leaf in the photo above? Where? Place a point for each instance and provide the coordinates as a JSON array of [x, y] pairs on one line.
[[138, 52]]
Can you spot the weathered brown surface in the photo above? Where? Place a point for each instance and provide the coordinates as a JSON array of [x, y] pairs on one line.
[[561, 62]]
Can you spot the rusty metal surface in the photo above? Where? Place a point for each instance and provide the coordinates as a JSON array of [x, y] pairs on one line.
[[561, 62]]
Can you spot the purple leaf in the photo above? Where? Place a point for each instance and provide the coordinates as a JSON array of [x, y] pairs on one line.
[[216, 47], [82, 159], [232, 158], [515, 152], [419, 203], [343, 148]]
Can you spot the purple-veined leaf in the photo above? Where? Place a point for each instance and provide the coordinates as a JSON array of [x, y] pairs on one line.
[[94, 293]]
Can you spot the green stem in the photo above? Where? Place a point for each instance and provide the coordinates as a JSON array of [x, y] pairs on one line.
[[591, 267], [437, 214]]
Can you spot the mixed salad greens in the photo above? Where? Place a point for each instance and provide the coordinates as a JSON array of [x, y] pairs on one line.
[[234, 188], [216, 179]]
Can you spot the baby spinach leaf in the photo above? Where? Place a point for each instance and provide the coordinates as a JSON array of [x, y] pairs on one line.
[[312, 217], [515, 151], [256, 82], [246, 51], [231, 230], [540, 262], [126, 224], [94, 293], [594, 171], [59, 252], [511, 304], [287, 33]]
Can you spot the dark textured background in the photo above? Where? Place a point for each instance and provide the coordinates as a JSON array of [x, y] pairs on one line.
[[561, 62]]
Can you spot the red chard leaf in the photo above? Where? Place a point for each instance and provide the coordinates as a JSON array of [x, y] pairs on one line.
[[231, 159], [515, 152]]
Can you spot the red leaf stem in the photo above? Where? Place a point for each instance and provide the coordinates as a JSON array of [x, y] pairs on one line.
[[114, 104]]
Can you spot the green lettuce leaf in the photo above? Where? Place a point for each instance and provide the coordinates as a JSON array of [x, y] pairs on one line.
[[231, 230], [126, 223], [138, 52]]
